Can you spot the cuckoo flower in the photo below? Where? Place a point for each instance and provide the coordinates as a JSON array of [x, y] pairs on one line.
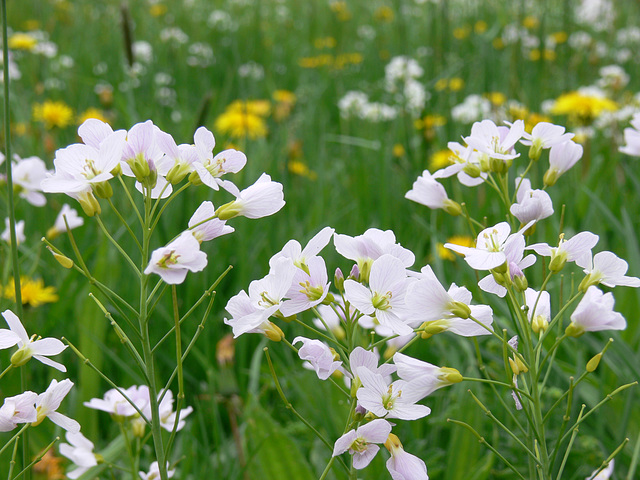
[[425, 377], [427, 191], [562, 157], [544, 135], [309, 288], [154, 472], [403, 465], [80, 451], [384, 299], [361, 442], [210, 168], [173, 261], [532, 205], [18, 409], [48, 402], [605, 268], [489, 250], [319, 355], [204, 226], [261, 199], [28, 173], [496, 142], [6, 234], [576, 248], [293, 250], [538, 306], [516, 262], [72, 220], [595, 313], [34, 347]]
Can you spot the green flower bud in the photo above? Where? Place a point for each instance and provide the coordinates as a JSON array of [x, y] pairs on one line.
[[102, 190], [520, 282], [574, 330], [194, 178], [21, 357], [594, 362], [452, 207], [550, 178], [459, 309], [338, 280]]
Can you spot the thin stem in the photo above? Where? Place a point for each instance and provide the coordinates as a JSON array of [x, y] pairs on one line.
[[14, 438], [126, 225], [574, 432], [496, 382], [118, 247], [39, 457], [169, 200], [131, 200], [6, 370]]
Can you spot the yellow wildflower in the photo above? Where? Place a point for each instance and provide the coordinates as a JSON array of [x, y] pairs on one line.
[[53, 114], [158, 9], [383, 13], [456, 84], [33, 292], [441, 84], [533, 119], [530, 22], [462, 32], [582, 108], [480, 26], [22, 41], [440, 159], [560, 37], [261, 108], [498, 43], [398, 150], [299, 168], [496, 98], [341, 11], [92, 112], [239, 123], [549, 54], [463, 240], [534, 55], [325, 42], [285, 101]]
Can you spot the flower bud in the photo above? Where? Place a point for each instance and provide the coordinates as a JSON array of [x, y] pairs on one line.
[[535, 150], [102, 190], [574, 330], [594, 362], [227, 211], [450, 375], [66, 262], [194, 178], [557, 262], [354, 274], [550, 178], [89, 204], [177, 173], [459, 309], [21, 357], [452, 207], [517, 365], [138, 427], [539, 324], [338, 280], [520, 282], [273, 332]]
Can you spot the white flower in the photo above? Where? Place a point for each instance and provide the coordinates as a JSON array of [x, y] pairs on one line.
[[516, 262], [293, 250], [538, 308], [116, 404], [38, 348], [425, 377], [532, 204], [73, 221], [595, 313], [395, 400], [384, 299], [403, 465], [427, 191], [204, 226], [309, 287], [576, 248], [362, 441], [183, 156], [261, 199], [319, 355], [562, 157], [48, 402], [545, 135], [167, 415], [173, 261], [28, 173], [18, 409], [496, 142], [632, 138], [489, 250], [80, 451], [6, 234], [604, 474], [606, 268], [154, 472], [211, 168]]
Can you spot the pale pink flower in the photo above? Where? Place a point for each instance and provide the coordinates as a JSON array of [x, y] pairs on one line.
[[73, 221], [516, 262], [6, 234], [427, 191], [154, 472], [261, 199], [210, 168], [489, 250], [173, 261], [309, 288], [80, 451], [496, 142], [606, 268], [115, 403], [18, 409], [545, 135], [28, 173], [595, 313], [319, 355], [48, 402], [293, 250], [204, 226], [562, 157], [403, 465], [361, 442], [38, 348], [384, 298], [532, 204], [424, 377], [576, 248]]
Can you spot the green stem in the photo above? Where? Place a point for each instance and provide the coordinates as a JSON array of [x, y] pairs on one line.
[[131, 200], [6, 370], [169, 200], [118, 247], [574, 432], [14, 438], [125, 223], [179, 360]]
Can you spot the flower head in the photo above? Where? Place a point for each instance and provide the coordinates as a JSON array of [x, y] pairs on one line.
[[319, 355], [48, 402], [173, 261], [361, 442], [595, 313], [80, 451]]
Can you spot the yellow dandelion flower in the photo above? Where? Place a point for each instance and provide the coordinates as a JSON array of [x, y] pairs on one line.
[[33, 292], [398, 150], [22, 41], [549, 54], [341, 11], [496, 98], [241, 124], [462, 32], [299, 168], [284, 96], [463, 240], [530, 22], [534, 55], [285, 101], [383, 14], [456, 84], [440, 159], [53, 114], [92, 112], [498, 43], [441, 84], [582, 108], [559, 37], [480, 26], [158, 10], [261, 108]]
